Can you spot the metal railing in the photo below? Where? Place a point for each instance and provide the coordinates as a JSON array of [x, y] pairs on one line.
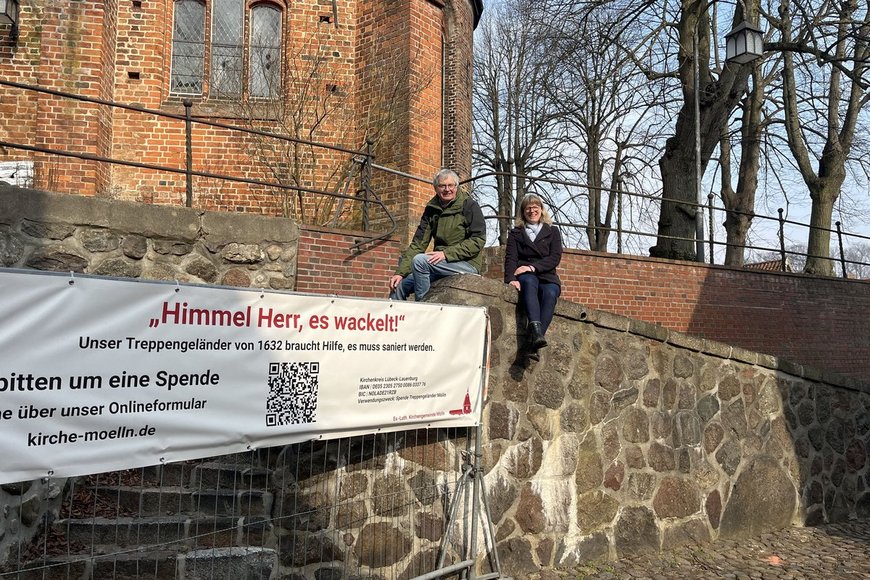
[[362, 162], [275, 512], [784, 230], [364, 195]]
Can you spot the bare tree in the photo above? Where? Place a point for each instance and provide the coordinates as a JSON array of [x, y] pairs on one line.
[[696, 137], [825, 84], [609, 107], [675, 49], [740, 202], [518, 128], [858, 261], [309, 104], [558, 101]]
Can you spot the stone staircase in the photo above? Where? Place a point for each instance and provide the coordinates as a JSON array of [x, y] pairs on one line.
[[186, 521]]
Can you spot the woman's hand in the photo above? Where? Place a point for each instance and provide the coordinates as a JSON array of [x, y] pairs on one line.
[[523, 270], [515, 284]]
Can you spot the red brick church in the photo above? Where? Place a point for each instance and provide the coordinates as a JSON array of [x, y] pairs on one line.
[[391, 74]]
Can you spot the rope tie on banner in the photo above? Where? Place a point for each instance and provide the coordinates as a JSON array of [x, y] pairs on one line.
[[72, 278], [177, 286]]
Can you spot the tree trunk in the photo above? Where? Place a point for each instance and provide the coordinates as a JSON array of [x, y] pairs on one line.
[[505, 199], [740, 204], [819, 239], [717, 99], [676, 229]]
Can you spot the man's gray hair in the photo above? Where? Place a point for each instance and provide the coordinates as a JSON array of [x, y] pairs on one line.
[[442, 173]]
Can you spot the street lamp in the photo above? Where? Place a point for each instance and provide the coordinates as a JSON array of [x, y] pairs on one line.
[[743, 44]]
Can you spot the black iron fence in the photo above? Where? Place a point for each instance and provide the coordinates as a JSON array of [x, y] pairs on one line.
[[362, 160], [773, 242], [851, 251]]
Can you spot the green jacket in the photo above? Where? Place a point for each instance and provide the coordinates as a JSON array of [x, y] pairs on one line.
[[458, 230]]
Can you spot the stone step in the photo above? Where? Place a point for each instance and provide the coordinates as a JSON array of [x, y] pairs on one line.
[[229, 471], [172, 500], [237, 476], [237, 563], [174, 532]]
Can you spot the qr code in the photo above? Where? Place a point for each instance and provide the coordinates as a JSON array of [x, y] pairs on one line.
[[292, 396]]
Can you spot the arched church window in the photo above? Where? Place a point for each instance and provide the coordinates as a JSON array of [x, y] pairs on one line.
[[217, 52], [265, 51], [188, 47]]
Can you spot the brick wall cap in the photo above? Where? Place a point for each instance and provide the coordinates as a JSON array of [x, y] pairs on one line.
[[604, 319]]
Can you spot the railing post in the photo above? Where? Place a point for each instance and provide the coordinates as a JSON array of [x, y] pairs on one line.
[[188, 149], [367, 183], [842, 253], [781, 240], [619, 215], [710, 221]]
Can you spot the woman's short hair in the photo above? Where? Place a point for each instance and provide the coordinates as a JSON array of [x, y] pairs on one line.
[[529, 199]]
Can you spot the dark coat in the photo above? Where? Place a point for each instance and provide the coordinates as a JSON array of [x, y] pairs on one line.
[[458, 230], [544, 254]]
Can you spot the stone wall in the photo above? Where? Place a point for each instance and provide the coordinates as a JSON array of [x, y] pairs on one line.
[[66, 233], [626, 437]]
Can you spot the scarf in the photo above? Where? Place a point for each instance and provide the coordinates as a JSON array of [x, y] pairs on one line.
[[533, 230]]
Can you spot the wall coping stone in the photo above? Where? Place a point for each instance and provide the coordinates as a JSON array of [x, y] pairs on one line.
[[160, 221], [611, 321]]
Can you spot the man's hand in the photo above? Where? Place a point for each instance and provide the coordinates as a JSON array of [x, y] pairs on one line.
[[395, 281], [523, 270], [435, 257], [515, 284]]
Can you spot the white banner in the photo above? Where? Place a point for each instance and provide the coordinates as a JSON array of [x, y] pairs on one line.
[[103, 374]]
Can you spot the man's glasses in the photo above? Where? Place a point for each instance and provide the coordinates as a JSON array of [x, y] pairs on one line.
[[447, 186]]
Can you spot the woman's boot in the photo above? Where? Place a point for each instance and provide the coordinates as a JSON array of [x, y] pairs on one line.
[[536, 336]]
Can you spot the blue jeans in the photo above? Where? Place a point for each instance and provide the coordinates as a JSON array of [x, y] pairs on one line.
[[539, 298], [423, 274]]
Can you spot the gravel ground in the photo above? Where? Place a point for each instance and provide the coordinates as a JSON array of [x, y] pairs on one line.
[[830, 552]]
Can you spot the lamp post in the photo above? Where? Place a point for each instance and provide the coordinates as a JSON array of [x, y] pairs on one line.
[[743, 45], [699, 214]]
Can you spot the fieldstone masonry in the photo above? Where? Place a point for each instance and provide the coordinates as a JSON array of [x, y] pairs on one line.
[[623, 438], [67, 233], [627, 438]]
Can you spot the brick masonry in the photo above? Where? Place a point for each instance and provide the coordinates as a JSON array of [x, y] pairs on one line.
[[818, 322], [393, 72]]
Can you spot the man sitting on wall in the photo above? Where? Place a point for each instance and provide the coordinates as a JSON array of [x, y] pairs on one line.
[[455, 223]]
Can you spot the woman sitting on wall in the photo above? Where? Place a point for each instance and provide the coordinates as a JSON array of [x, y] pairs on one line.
[[534, 249]]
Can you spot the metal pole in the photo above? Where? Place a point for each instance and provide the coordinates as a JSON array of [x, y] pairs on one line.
[[699, 214], [842, 254], [710, 221], [188, 134], [475, 496], [619, 215], [367, 183], [781, 240]]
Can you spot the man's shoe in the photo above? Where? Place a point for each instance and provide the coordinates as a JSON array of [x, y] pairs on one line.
[[536, 336]]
